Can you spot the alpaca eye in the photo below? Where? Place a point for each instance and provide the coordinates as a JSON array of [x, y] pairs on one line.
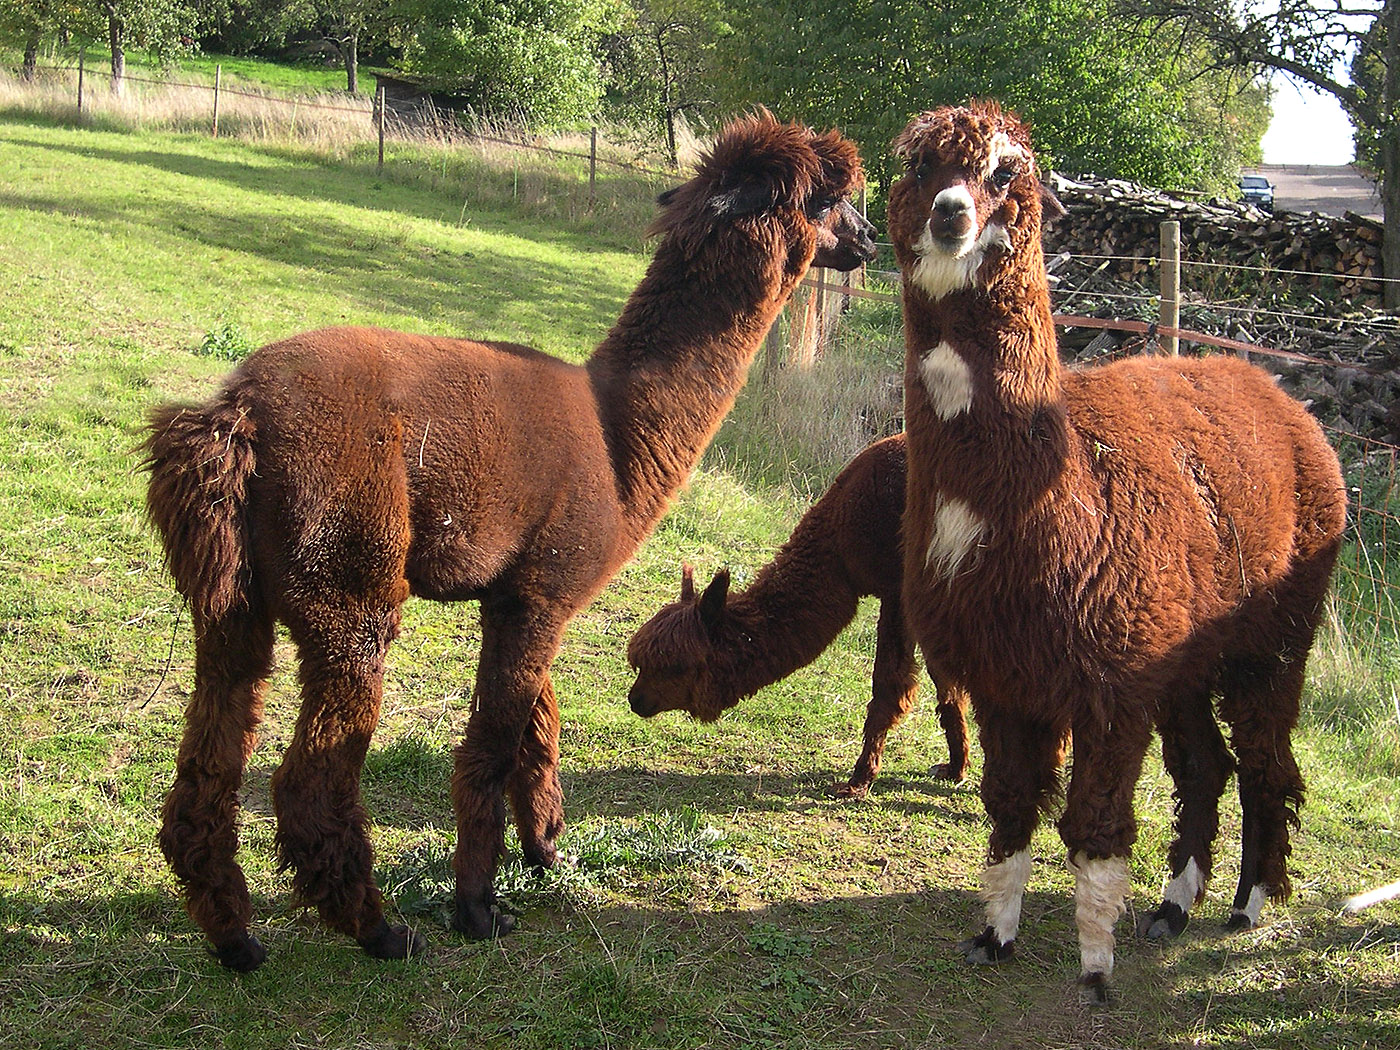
[[1001, 178], [921, 171], [821, 208]]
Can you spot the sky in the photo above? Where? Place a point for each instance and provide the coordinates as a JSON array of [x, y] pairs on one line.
[[1308, 127]]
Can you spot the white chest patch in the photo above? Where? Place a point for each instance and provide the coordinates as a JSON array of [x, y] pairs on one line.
[[940, 271], [956, 530], [947, 380]]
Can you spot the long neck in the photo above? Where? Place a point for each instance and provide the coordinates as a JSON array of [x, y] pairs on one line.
[[671, 367], [791, 612], [984, 399]]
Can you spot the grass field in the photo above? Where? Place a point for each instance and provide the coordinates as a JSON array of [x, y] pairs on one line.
[[718, 896]]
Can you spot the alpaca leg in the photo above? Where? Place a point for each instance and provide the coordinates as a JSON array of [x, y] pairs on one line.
[[894, 688], [1200, 765], [199, 834], [536, 798], [1260, 701], [1098, 828], [518, 643], [1019, 780], [322, 826], [952, 716]]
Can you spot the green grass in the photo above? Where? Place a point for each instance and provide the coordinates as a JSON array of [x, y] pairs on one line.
[[717, 896]]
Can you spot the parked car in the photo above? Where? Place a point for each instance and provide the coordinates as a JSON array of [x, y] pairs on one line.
[[1257, 190]]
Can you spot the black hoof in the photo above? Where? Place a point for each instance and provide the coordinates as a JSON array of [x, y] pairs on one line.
[[1166, 922], [985, 948], [393, 942], [242, 956], [1238, 921], [541, 856], [480, 921], [1093, 989]]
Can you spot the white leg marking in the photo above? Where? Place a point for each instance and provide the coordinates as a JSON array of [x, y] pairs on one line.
[[940, 271], [948, 381], [1003, 886], [1186, 889], [956, 530], [1253, 907], [1100, 896]]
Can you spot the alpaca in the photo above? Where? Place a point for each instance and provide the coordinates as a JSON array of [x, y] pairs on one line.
[[702, 655], [1096, 552], [340, 471]]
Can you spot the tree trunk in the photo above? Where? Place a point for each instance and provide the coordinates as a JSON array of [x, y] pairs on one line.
[[116, 36], [1390, 154], [352, 62], [30, 69]]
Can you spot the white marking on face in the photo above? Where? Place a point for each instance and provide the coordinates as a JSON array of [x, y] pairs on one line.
[[1003, 887], [1254, 907], [939, 271], [956, 530], [1186, 889], [1100, 897], [1003, 150], [948, 381]]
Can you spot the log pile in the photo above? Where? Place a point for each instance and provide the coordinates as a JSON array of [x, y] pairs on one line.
[[1110, 217]]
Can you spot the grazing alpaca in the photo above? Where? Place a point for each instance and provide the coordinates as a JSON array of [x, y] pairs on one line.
[[702, 655], [340, 471], [1095, 552]]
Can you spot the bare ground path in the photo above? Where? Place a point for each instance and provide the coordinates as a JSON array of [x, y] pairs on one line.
[[1329, 189]]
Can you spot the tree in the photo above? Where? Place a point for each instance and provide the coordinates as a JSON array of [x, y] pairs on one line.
[[163, 28], [660, 63], [535, 61], [1315, 42]]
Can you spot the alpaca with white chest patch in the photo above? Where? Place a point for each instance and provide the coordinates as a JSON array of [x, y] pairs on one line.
[[1097, 553]]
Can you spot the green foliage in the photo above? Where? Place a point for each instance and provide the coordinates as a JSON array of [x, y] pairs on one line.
[[529, 61], [226, 342], [1099, 98]]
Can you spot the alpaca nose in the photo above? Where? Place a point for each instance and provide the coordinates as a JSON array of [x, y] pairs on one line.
[[952, 201], [953, 213]]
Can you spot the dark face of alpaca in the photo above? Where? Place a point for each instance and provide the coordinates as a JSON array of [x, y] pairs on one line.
[[677, 655], [764, 174], [969, 199]]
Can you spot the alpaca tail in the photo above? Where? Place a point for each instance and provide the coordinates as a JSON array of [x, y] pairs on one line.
[[200, 459]]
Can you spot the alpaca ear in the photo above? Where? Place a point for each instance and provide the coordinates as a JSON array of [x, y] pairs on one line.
[[748, 198], [712, 601], [1050, 206], [665, 197], [687, 583]]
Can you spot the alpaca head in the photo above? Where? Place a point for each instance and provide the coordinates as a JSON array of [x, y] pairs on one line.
[[970, 199], [783, 184], [678, 657]]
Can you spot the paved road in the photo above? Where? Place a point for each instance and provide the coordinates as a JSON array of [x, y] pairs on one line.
[[1322, 188]]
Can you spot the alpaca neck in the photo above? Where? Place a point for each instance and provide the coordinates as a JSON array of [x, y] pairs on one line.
[[788, 616], [986, 365], [671, 367]]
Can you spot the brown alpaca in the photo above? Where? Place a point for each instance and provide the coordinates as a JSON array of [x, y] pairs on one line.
[[1096, 552], [342, 470], [703, 655]]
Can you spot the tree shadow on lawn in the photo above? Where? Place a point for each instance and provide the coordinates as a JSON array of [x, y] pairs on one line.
[[854, 971]]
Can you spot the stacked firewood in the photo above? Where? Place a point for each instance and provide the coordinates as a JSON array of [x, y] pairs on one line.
[[1110, 217]]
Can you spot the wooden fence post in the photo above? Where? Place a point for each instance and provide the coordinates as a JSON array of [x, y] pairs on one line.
[[379, 120], [1169, 307], [82, 59], [592, 162], [218, 78]]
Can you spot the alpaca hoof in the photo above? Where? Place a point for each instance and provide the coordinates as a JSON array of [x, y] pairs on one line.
[[243, 955], [854, 790], [1166, 922], [1238, 921], [947, 771], [985, 949], [1093, 989], [480, 921], [393, 942], [540, 855]]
